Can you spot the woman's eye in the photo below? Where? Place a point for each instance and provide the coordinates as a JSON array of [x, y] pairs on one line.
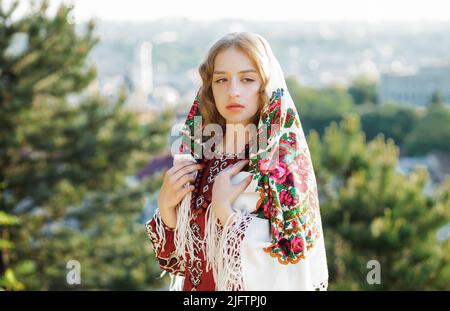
[[223, 79]]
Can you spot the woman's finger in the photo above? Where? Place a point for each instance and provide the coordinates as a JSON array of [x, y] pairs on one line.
[[236, 168], [179, 165], [186, 170], [176, 167], [244, 184], [183, 180], [183, 191]]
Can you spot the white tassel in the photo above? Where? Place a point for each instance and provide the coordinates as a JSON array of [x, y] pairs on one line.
[[213, 231], [183, 233], [220, 245], [159, 230], [227, 268], [184, 238], [176, 282]]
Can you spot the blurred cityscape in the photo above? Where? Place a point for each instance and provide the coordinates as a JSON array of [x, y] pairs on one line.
[[158, 61]]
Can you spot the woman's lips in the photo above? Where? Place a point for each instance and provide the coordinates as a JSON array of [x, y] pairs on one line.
[[235, 107]]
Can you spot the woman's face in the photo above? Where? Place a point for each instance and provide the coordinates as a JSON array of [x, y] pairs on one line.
[[235, 86]]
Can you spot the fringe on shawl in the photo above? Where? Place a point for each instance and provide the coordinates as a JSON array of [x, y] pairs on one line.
[[184, 238], [213, 231], [160, 239], [176, 282], [223, 249], [159, 230], [220, 245]]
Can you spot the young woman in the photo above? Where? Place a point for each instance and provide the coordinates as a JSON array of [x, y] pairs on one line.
[[240, 210]]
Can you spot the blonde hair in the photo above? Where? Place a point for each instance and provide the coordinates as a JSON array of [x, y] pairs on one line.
[[251, 45]]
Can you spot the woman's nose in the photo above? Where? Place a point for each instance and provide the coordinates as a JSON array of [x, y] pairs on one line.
[[234, 87]]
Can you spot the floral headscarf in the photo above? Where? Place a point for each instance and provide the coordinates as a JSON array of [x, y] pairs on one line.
[[282, 169]]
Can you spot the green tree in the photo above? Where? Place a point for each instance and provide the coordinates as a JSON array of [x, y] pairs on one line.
[[363, 91], [65, 156], [323, 103], [436, 100], [370, 211], [430, 133], [391, 120], [8, 278]]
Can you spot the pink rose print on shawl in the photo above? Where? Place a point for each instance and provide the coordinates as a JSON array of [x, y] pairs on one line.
[[285, 246], [289, 141], [302, 168], [277, 169], [267, 204], [297, 244], [286, 198]]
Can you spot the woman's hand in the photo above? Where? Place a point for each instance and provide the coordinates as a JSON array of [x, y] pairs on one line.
[[173, 190], [224, 193]]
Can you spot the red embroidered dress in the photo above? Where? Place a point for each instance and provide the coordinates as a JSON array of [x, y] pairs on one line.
[[196, 276]]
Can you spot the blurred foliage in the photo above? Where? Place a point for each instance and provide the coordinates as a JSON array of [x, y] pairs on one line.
[[392, 121], [323, 103], [430, 133], [8, 279], [370, 211], [65, 158], [416, 132], [363, 91]]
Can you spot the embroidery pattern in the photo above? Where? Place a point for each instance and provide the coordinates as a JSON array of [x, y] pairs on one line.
[[195, 265], [171, 263], [200, 201]]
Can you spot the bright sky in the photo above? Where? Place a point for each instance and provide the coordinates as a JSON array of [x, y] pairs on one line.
[[302, 10]]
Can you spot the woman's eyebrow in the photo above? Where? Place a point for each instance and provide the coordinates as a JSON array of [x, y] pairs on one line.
[[242, 71]]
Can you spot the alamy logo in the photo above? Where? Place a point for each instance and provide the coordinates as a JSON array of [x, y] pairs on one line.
[[74, 275], [374, 275]]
